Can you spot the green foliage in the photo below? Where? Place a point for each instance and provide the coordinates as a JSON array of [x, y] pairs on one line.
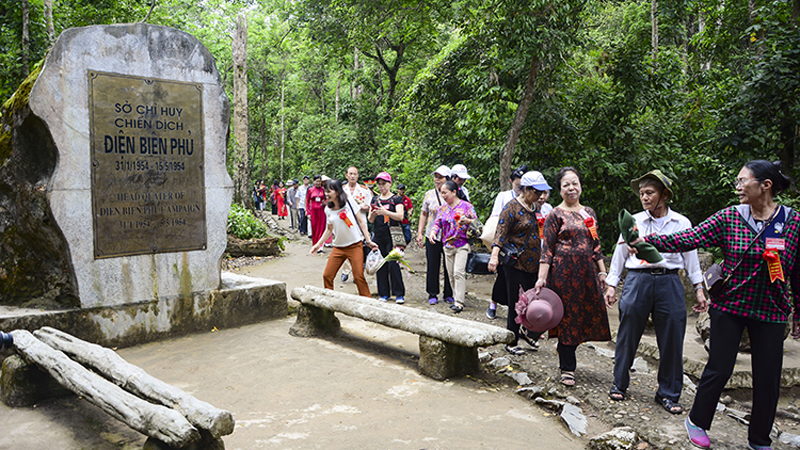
[[764, 116], [440, 83], [244, 225]]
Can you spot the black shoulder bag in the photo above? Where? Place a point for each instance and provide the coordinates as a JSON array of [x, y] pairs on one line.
[[712, 278]]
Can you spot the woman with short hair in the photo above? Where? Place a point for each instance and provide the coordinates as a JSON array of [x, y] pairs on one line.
[[519, 224], [762, 237], [452, 221], [572, 266]]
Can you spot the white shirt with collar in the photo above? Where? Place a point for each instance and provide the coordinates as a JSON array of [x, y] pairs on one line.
[[501, 200], [672, 222], [360, 195]]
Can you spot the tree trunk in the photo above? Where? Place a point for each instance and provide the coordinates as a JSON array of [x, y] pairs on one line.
[[48, 16], [654, 18], [356, 66], [283, 123], [138, 382], [338, 91], [26, 19], [507, 155], [240, 113]]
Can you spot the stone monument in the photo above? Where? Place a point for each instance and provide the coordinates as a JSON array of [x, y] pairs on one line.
[[114, 192]]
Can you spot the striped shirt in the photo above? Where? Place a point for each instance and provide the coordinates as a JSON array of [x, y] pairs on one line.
[[749, 292]]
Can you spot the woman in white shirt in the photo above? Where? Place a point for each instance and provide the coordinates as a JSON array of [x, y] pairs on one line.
[[349, 230]]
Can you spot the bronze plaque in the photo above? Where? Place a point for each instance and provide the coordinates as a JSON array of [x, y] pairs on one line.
[[148, 182]]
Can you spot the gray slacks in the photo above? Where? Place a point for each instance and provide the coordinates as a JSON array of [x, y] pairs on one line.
[[662, 297]]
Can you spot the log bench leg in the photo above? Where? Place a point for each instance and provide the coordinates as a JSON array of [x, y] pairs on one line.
[[440, 360], [313, 321], [206, 442]]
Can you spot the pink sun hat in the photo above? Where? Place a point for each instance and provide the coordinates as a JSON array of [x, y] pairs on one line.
[[539, 313]]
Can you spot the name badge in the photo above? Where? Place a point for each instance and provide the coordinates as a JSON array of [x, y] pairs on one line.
[[775, 243]]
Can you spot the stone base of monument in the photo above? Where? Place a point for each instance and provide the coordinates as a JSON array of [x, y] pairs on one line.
[[240, 300]]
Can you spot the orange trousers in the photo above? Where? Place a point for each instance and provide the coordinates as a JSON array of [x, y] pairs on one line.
[[355, 254]]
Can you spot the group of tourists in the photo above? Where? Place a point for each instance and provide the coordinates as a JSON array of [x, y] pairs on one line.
[[537, 246], [354, 220], [276, 195]]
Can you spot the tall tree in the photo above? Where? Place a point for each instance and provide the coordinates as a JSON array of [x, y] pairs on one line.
[[654, 21], [48, 16], [532, 31], [384, 31], [26, 47], [241, 119]]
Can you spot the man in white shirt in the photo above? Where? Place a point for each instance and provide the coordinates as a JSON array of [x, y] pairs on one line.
[[460, 176], [362, 196], [653, 289], [291, 201], [301, 205]]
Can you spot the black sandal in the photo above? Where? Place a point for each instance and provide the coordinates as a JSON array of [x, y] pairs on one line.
[[515, 350], [523, 333], [568, 378], [457, 308], [671, 406], [616, 393]]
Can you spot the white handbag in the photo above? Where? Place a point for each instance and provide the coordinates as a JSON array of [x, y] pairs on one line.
[[489, 228]]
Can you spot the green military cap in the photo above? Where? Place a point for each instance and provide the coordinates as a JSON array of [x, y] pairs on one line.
[[656, 175]]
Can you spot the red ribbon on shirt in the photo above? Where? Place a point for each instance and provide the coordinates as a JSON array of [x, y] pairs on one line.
[[540, 222], [774, 264], [589, 221], [343, 216]]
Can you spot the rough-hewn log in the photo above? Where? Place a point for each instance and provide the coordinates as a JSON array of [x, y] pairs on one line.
[[156, 421], [457, 331], [216, 421]]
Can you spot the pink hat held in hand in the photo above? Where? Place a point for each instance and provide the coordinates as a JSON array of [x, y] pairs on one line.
[[539, 313]]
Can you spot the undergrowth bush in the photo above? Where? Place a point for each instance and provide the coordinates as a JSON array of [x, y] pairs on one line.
[[244, 225]]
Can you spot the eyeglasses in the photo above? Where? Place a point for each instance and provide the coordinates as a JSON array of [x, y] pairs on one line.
[[743, 181]]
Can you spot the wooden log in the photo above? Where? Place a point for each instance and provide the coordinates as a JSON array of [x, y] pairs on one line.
[[457, 331], [156, 421], [216, 421]]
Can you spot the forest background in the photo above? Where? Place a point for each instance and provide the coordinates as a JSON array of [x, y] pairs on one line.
[[614, 88]]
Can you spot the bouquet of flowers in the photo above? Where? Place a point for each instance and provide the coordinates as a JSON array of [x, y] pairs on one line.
[[375, 261], [397, 255]]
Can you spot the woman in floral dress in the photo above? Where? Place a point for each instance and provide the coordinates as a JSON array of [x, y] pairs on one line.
[[572, 266]]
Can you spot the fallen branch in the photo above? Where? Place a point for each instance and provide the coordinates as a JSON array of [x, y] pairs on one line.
[[158, 422], [218, 422]]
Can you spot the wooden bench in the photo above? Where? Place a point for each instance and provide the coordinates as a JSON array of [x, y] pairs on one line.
[[448, 346]]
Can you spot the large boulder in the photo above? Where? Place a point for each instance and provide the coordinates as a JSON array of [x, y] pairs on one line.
[[35, 270]]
